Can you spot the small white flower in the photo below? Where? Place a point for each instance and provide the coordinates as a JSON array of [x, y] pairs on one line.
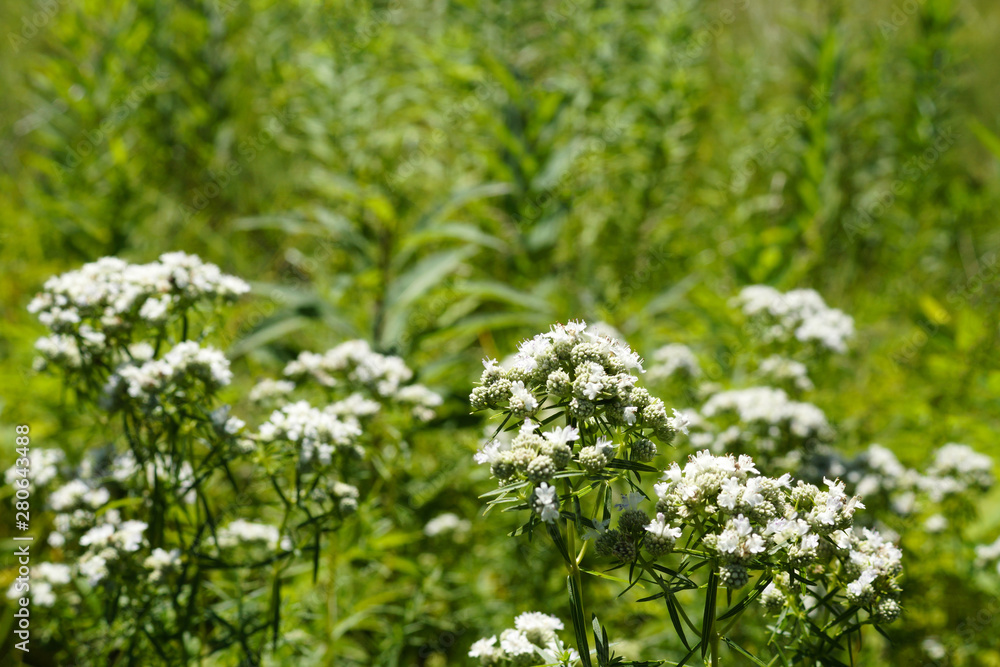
[[447, 522], [562, 435], [483, 648], [519, 394], [546, 502], [679, 422]]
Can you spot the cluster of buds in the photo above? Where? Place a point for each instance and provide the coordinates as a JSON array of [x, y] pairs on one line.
[[589, 375]]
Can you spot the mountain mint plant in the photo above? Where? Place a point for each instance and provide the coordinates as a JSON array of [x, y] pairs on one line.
[[577, 434], [182, 523]]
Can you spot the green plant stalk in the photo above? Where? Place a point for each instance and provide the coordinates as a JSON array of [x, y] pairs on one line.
[[712, 633], [573, 565]]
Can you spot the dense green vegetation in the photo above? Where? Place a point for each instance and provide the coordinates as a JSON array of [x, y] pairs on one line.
[[445, 179]]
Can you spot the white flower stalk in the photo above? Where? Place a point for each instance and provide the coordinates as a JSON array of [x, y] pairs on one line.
[[318, 433], [589, 379], [110, 298], [782, 370], [988, 555], [240, 533], [768, 406], [797, 315], [43, 468], [674, 360], [160, 561], [185, 367], [446, 523], [353, 364]]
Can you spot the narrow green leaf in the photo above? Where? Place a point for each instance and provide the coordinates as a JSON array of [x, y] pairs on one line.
[[557, 537], [708, 618], [623, 464], [690, 654], [745, 653], [579, 624], [676, 620], [750, 597]]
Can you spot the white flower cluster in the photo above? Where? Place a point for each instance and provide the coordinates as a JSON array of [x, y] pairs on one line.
[[528, 454], [356, 363], [532, 641], [161, 561], [592, 373], [423, 400], [354, 405], [346, 496], [782, 370], [800, 314], [955, 470], [446, 523], [673, 359], [748, 521], [106, 542], [78, 492], [988, 555], [107, 298], [44, 466], [877, 563], [43, 577], [319, 433], [772, 411], [79, 503], [185, 366], [68, 351], [270, 390], [963, 466], [239, 533]]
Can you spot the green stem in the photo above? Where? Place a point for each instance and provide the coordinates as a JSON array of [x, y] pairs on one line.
[[573, 565], [711, 629]]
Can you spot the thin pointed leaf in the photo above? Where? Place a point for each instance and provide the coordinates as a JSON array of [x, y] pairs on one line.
[[745, 653], [579, 624]]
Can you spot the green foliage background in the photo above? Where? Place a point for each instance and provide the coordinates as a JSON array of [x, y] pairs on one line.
[[445, 178]]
